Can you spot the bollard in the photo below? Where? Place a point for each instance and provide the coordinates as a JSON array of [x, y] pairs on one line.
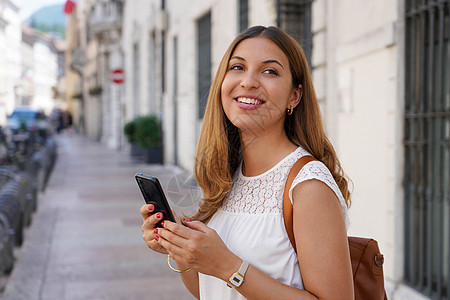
[[41, 162], [6, 246], [17, 190], [10, 207]]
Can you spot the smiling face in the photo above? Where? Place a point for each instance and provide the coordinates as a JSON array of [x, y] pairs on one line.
[[257, 88]]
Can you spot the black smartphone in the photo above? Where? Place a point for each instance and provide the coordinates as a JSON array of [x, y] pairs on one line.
[[153, 194]]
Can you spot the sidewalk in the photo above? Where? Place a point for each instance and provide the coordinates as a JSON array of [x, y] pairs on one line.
[[85, 241]]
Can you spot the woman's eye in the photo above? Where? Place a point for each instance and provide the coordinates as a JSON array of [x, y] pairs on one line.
[[271, 71], [236, 67]]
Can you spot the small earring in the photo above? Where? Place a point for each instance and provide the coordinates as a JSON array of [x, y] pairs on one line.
[[289, 111]]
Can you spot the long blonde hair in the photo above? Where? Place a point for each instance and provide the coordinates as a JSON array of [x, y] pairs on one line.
[[218, 151]]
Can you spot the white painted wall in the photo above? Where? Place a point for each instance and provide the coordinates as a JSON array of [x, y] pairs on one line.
[[138, 28], [27, 74], [93, 109], [367, 81], [45, 76], [11, 57], [112, 98], [3, 62]]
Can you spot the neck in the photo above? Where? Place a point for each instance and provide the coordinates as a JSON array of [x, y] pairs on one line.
[[263, 151]]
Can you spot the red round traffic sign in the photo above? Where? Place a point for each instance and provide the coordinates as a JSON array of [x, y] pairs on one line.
[[117, 76]]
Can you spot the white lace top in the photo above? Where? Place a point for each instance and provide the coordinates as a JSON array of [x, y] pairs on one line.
[[250, 222]]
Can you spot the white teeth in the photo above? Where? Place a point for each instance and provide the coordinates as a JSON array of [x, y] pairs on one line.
[[249, 100]]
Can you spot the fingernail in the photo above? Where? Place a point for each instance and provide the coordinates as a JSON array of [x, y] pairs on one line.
[[189, 221], [156, 238], [151, 207], [162, 223], [159, 215], [155, 230]]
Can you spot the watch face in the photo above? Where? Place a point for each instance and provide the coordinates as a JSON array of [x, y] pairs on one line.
[[236, 280]]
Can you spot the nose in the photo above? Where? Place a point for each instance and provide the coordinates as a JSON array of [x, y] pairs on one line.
[[249, 80]]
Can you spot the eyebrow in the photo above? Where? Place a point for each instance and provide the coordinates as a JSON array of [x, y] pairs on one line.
[[269, 61]]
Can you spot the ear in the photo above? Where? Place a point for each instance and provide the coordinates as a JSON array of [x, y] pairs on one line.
[[297, 94]]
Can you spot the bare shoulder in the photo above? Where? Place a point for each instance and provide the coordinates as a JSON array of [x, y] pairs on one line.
[[314, 194], [315, 203]]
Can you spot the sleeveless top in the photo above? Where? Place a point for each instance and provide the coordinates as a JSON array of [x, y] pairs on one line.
[[250, 222]]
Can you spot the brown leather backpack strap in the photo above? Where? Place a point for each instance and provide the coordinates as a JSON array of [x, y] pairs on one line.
[[287, 205]]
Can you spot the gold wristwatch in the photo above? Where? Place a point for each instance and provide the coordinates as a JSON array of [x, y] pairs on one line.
[[238, 277]]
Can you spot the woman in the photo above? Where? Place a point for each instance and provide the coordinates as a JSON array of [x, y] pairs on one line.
[[262, 116]]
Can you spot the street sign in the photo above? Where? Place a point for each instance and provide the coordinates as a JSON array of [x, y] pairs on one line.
[[117, 76]]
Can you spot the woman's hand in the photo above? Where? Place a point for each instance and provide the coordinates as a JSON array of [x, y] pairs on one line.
[[198, 247], [150, 236], [148, 227]]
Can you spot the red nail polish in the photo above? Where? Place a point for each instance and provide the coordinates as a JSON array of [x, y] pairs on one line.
[[188, 221], [151, 207], [155, 230], [159, 215], [156, 238], [162, 223]]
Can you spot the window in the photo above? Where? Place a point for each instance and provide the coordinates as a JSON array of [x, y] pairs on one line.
[[427, 147], [243, 15], [175, 96], [163, 52], [119, 7], [294, 16], [163, 61], [203, 62], [152, 76], [136, 80]]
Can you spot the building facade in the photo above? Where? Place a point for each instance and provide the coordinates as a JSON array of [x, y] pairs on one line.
[[142, 45], [104, 31], [27, 76], [29, 63], [74, 61], [10, 58], [381, 74], [45, 73], [94, 36], [60, 90]]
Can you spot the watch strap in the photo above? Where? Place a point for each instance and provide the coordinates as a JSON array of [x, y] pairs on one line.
[[243, 268], [241, 272]]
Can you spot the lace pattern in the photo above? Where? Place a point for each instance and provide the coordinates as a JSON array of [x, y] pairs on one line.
[[263, 194]]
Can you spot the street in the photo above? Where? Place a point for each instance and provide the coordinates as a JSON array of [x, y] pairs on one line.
[[85, 240]]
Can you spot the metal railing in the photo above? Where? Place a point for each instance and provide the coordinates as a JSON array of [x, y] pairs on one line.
[[294, 16], [243, 15], [427, 147]]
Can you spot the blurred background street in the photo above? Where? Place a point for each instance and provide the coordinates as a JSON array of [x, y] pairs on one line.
[[93, 91], [85, 241]]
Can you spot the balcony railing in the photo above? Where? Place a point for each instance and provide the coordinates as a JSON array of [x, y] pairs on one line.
[[105, 16]]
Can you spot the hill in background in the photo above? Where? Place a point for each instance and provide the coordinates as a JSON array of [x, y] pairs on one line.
[[49, 19]]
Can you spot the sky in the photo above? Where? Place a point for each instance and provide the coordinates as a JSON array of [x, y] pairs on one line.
[[27, 7]]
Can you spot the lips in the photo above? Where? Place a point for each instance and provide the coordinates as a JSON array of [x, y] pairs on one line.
[[247, 100], [248, 103]]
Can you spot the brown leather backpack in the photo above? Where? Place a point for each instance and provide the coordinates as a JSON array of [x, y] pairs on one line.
[[367, 261]]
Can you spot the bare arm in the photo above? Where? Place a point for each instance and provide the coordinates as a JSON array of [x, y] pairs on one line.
[[190, 280], [321, 238]]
